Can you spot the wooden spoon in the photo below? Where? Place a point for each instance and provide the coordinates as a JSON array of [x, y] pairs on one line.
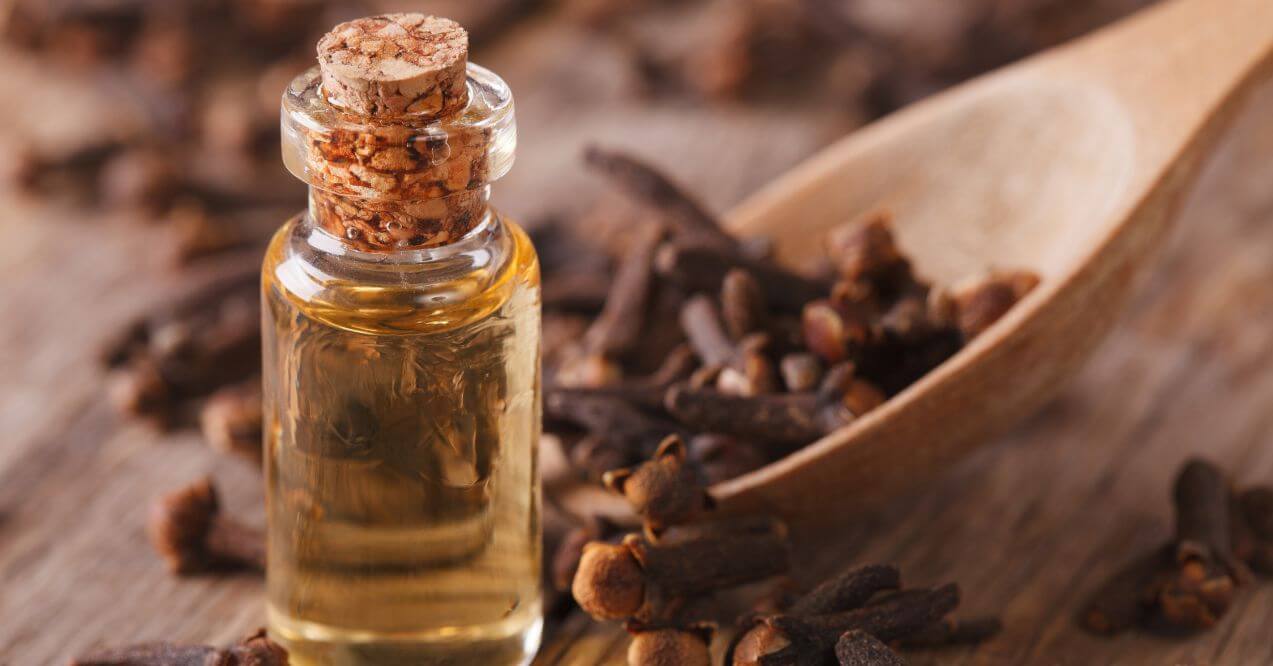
[[1071, 163]]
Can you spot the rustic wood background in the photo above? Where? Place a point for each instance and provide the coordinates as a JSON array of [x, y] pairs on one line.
[[1028, 525]]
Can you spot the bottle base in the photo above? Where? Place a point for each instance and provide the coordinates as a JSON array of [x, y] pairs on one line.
[[511, 642]]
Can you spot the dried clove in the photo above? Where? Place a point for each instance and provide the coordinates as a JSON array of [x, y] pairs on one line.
[[1200, 587], [737, 369], [685, 216], [645, 393], [858, 648], [980, 303], [665, 490], [1189, 583], [792, 418], [671, 646], [622, 431], [620, 326], [848, 590], [1203, 533], [864, 250], [807, 629], [643, 580], [743, 306], [187, 530], [1194, 596], [255, 650], [791, 639], [698, 266]]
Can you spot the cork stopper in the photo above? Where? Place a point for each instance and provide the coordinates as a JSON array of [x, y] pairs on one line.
[[396, 64]]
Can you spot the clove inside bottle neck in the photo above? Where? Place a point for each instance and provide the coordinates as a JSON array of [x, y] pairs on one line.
[[377, 225], [399, 236], [404, 182]]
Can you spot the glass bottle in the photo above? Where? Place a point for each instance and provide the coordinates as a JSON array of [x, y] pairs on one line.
[[401, 332]]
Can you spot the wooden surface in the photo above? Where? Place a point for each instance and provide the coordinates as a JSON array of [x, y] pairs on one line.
[[1027, 525]]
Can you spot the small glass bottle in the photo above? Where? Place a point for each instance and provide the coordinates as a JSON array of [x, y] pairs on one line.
[[401, 331]]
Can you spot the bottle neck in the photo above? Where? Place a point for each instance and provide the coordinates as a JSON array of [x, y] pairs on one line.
[[406, 183], [382, 225], [322, 252]]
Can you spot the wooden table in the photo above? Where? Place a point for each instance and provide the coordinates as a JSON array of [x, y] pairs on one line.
[[1027, 526]]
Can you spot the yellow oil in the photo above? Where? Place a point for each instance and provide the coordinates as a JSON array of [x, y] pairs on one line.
[[402, 406]]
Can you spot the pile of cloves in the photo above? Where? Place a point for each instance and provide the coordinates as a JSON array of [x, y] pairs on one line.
[[857, 618], [702, 335], [658, 581], [682, 551], [661, 583], [1187, 585]]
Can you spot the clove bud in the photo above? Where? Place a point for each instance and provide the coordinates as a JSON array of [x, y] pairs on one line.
[[665, 490], [643, 580], [743, 306], [671, 646], [980, 303], [865, 249], [186, 528], [792, 639]]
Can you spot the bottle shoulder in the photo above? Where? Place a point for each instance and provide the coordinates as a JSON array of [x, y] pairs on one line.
[[400, 293]]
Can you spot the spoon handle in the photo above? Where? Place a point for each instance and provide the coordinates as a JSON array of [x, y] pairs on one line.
[[1178, 69]]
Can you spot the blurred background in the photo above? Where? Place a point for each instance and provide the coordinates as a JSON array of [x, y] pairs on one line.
[[139, 162], [140, 137]]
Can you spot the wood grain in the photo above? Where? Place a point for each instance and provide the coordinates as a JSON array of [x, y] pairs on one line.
[[1028, 525]]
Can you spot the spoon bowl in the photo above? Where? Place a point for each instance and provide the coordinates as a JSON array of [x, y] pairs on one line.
[[1071, 164]]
